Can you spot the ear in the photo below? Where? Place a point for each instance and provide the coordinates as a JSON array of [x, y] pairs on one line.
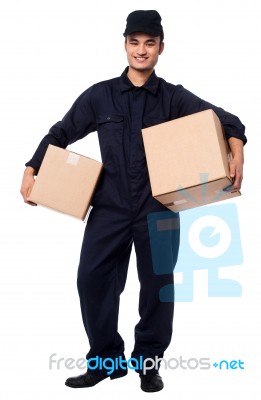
[[161, 48]]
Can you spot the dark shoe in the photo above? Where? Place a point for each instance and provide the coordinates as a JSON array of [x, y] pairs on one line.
[[87, 380], [151, 383]]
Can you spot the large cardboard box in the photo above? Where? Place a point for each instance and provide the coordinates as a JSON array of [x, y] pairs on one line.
[[188, 161], [66, 182]]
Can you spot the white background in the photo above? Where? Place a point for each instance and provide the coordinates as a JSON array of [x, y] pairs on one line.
[[51, 51]]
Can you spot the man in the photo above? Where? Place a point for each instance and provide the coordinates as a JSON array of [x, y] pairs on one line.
[[118, 109]]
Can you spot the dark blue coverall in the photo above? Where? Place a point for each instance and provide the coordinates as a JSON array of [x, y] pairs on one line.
[[118, 111]]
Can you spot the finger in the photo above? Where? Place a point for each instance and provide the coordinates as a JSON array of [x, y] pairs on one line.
[[28, 201], [25, 192], [232, 170], [237, 181]]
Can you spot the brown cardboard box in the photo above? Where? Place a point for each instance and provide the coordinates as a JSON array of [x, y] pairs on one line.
[[188, 161], [66, 182]]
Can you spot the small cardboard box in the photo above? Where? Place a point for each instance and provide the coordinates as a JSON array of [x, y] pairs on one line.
[[188, 161], [66, 182]]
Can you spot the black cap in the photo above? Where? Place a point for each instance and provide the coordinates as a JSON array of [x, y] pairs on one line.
[[147, 21]]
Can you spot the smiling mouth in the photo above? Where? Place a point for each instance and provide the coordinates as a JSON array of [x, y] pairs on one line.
[[141, 58]]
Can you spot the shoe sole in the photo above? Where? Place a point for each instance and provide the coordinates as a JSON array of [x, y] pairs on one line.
[[151, 390]]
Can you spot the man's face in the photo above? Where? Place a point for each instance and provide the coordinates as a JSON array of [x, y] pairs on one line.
[[143, 51]]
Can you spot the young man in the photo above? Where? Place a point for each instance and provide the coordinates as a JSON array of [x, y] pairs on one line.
[[118, 109]]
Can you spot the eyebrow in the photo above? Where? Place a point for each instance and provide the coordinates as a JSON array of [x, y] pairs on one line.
[[133, 38]]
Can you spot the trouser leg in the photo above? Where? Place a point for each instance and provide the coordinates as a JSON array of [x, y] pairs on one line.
[[101, 278], [154, 330]]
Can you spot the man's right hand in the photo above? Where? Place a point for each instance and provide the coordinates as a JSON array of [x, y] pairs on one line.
[[27, 185]]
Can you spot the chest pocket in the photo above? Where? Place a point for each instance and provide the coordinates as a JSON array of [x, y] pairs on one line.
[[110, 129], [109, 121]]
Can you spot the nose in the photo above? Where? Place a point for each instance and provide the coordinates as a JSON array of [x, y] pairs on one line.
[[141, 49]]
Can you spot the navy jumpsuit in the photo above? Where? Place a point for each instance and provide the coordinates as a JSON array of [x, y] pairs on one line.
[[118, 111]]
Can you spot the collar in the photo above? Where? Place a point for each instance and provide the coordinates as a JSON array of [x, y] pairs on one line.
[[151, 85]]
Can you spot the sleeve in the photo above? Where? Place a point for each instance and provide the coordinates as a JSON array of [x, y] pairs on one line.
[[188, 103], [78, 122]]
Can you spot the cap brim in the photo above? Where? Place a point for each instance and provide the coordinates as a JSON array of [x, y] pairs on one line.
[[141, 29]]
